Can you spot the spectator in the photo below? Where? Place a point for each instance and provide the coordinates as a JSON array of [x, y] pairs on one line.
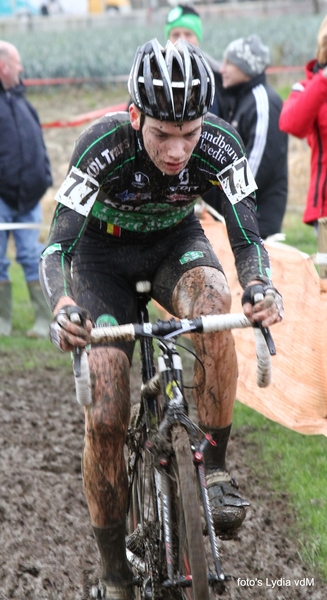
[[254, 109], [51, 7], [185, 22], [25, 176], [304, 115]]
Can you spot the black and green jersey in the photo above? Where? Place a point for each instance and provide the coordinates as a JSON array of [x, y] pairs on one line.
[[135, 195], [131, 196]]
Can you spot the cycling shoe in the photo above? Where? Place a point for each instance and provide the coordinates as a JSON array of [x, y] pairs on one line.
[[228, 508], [108, 590]]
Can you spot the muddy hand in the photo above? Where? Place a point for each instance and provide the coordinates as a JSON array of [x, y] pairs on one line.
[[262, 303], [67, 332]]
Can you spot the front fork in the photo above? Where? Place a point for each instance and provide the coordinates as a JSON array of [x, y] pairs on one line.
[[170, 368], [219, 576]]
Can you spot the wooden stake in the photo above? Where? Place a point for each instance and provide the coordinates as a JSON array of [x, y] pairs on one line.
[[321, 257]]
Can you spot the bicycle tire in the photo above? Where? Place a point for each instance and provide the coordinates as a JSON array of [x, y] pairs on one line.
[[189, 496], [143, 523]]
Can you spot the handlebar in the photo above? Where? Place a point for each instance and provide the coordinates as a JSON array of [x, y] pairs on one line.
[[172, 328]]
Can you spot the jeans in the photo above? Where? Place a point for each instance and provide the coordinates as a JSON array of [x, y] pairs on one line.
[[28, 247]]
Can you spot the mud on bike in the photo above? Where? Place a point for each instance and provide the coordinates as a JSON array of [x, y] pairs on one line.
[[171, 543]]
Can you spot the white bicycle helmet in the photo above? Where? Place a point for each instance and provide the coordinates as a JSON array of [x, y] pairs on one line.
[[159, 73]]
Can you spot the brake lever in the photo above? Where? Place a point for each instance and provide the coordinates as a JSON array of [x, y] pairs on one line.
[[257, 297], [76, 317], [268, 338]]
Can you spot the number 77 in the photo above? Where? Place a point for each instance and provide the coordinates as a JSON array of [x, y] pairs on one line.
[[230, 175], [79, 180]]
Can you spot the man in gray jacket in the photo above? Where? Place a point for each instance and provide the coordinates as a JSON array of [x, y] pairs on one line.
[[253, 108], [25, 176]]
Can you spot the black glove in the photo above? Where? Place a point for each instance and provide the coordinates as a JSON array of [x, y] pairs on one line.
[[75, 314], [257, 291]]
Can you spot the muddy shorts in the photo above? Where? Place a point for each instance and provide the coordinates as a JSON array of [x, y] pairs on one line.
[[106, 269]]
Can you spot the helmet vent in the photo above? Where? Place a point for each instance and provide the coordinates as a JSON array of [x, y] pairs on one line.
[[174, 83]]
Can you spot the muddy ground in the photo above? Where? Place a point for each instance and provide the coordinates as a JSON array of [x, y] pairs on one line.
[[46, 545]]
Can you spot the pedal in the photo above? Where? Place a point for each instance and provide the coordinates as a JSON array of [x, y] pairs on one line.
[[135, 542], [95, 592]]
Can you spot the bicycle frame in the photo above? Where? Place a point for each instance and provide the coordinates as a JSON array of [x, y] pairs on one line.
[[163, 414], [158, 432]]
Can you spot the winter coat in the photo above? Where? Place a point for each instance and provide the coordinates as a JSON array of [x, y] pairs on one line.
[[25, 173], [304, 114], [220, 102], [253, 108]]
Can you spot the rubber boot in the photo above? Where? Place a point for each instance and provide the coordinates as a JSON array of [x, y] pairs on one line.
[[228, 508], [5, 308], [116, 581], [43, 315]]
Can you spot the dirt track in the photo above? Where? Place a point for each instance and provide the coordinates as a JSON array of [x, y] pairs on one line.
[[46, 545]]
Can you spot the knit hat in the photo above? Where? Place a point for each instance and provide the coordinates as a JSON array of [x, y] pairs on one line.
[[322, 43], [249, 55], [184, 16]]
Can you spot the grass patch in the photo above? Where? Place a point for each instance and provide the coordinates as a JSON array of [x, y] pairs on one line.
[[22, 308], [298, 234], [297, 466], [283, 90], [296, 463], [17, 351]]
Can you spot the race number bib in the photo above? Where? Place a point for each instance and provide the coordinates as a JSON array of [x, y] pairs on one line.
[[237, 180], [78, 191]]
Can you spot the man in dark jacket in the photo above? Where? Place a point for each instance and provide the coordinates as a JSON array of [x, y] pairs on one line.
[[25, 176], [253, 108]]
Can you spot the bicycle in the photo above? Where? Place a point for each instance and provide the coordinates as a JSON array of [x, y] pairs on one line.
[[171, 543]]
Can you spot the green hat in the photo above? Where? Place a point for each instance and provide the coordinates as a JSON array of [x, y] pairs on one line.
[[184, 16]]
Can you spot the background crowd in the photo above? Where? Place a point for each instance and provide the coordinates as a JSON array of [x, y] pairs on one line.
[[243, 98]]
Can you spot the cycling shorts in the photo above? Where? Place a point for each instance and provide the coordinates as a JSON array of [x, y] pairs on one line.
[[106, 269]]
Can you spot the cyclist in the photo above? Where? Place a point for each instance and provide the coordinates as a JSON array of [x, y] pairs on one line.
[[125, 214]]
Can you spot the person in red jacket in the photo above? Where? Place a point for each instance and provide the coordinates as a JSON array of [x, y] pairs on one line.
[[304, 114]]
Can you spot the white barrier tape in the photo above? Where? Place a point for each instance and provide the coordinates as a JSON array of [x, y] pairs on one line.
[[10, 226], [321, 258]]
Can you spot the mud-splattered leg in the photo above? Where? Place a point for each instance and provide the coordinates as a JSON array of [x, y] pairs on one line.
[[204, 291], [104, 471]]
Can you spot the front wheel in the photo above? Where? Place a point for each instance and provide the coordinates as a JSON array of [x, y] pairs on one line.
[[144, 548], [193, 556]]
